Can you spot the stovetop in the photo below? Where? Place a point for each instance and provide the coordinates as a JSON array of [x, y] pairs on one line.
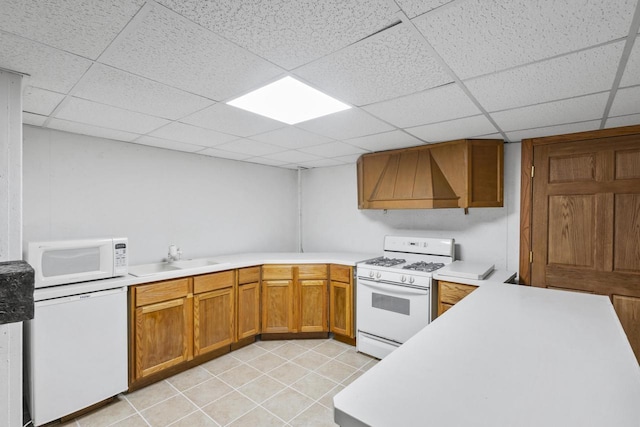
[[384, 261], [427, 267]]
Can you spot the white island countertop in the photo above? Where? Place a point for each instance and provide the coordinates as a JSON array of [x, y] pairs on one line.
[[505, 356]]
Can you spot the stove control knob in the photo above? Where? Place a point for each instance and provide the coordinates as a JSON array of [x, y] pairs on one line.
[[378, 275], [371, 274], [403, 278], [411, 279]]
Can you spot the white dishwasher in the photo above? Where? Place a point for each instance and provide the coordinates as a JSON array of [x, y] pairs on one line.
[[76, 349]]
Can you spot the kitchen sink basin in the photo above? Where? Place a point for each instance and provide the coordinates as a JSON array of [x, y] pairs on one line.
[[192, 263], [150, 269]]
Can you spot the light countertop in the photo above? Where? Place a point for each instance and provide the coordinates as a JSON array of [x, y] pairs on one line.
[[505, 356], [496, 276]]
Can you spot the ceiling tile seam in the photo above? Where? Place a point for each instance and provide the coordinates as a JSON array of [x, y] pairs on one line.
[[133, 24], [135, 21], [439, 9], [550, 126], [624, 59], [193, 23], [95, 126], [549, 102], [42, 44], [449, 71], [549, 58]]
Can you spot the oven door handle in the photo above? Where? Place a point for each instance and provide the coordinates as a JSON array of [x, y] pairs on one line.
[[397, 289]]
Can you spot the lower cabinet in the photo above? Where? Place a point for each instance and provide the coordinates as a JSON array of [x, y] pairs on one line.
[[449, 293], [248, 303], [341, 300], [294, 298], [162, 326], [213, 311]]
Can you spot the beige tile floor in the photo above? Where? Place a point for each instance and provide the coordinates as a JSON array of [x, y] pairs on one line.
[[268, 383]]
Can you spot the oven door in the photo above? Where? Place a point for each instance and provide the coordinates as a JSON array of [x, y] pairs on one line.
[[391, 311]]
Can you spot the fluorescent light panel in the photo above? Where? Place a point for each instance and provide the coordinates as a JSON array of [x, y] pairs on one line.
[[290, 101]]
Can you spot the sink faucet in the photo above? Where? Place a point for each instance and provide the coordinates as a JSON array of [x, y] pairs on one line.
[[174, 253]]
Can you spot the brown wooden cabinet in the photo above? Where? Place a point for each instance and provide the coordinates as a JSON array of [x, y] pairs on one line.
[[463, 173], [341, 300], [449, 293], [294, 298], [213, 311], [161, 326], [248, 303]]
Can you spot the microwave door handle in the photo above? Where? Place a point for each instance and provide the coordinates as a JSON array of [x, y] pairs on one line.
[[400, 289]]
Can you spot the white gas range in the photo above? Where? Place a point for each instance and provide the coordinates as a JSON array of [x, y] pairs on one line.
[[393, 292]]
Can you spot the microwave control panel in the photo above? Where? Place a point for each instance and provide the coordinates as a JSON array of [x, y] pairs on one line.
[[120, 257]]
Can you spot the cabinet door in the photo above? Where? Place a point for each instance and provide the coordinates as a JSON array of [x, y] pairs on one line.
[[313, 306], [277, 306], [213, 320], [163, 336], [449, 293], [340, 308], [248, 310]]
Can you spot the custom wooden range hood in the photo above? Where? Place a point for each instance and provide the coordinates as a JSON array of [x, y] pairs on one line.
[[456, 174]]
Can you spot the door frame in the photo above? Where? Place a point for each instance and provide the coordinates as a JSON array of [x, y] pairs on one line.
[[526, 187]]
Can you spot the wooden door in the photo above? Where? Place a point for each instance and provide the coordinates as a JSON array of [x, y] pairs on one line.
[[340, 308], [248, 310], [277, 306], [213, 320], [313, 306], [163, 335], [585, 218]]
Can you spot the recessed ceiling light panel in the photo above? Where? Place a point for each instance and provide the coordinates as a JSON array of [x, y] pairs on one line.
[[290, 101]]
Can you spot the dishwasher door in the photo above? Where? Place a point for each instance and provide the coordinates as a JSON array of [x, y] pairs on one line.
[[76, 353]]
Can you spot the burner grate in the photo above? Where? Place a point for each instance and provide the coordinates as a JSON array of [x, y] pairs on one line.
[[385, 262], [424, 266]]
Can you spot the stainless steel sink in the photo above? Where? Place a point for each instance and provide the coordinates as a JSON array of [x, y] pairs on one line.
[[193, 263], [151, 269]]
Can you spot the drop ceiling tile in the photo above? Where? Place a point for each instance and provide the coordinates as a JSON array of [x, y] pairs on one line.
[[590, 107], [192, 135], [292, 156], [248, 146], [49, 68], [85, 129], [40, 101], [627, 101], [170, 145], [389, 64], [226, 119], [346, 124], [92, 113], [631, 74], [631, 119], [83, 27], [321, 163], [430, 106], [120, 89], [454, 129], [414, 8], [476, 37], [385, 141], [553, 130], [265, 161], [333, 149], [289, 33], [33, 119], [223, 154], [172, 50], [571, 75], [348, 159], [291, 137]]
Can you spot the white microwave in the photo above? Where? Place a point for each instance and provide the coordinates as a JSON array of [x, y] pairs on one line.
[[71, 261]]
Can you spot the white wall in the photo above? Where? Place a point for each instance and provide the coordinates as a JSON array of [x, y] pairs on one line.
[[10, 240], [78, 186], [331, 219]]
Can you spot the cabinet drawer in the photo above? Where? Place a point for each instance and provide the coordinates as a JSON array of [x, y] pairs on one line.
[[312, 271], [340, 273], [270, 272], [162, 291], [451, 293], [248, 275], [213, 281]]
